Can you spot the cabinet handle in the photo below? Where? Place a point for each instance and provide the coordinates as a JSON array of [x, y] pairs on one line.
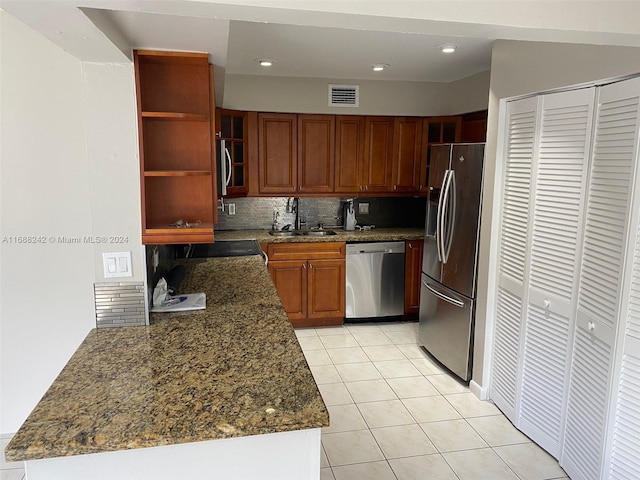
[[304, 265], [395, 187], [410, 245], [591, 326]]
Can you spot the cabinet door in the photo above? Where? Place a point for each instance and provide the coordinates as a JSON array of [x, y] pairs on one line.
[[513, 258], [407, 149], [349, 169], [412, 275], [277, 138], [316, 143], [290, 279], [327, 280], [607, 220], [378, 154], [560, 178]]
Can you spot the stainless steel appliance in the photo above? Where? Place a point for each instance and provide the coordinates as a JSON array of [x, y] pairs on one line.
[[375, 280], [449, 262], [221, 248]]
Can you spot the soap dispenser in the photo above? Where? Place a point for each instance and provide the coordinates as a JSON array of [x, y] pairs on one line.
[[349, 216]]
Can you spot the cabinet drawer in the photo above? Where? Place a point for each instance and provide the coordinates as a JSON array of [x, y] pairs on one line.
[[304, 251]]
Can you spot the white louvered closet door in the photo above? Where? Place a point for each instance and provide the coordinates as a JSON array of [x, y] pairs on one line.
[[519, 151], [623, 460], [599, 296], [564, 142]]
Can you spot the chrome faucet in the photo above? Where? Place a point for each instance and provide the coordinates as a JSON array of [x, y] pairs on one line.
[[299, 223]]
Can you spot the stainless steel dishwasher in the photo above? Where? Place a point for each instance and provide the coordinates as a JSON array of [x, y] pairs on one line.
[[375, 280]]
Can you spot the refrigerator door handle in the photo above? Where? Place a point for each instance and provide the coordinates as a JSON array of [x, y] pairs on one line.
[[452, 209], [439, 217], [444, 201], [444, 297]]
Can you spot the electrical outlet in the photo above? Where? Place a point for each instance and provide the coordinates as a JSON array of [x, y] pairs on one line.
[[363, 208], [232, 208]]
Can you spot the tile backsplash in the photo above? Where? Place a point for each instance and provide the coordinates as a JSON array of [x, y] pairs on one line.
[[258, 213]]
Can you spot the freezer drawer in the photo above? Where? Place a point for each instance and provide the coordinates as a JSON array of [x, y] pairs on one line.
[[446, 326]]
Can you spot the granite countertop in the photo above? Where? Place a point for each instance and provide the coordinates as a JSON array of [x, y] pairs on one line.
[[232, 370], [375, 235]]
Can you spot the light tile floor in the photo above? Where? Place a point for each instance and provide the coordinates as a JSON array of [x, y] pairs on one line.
[[398, 415]]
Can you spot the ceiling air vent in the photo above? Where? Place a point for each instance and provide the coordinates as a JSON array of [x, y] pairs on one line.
[[344, 95]]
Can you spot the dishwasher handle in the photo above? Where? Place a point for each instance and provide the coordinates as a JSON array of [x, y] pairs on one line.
[[442, 296]]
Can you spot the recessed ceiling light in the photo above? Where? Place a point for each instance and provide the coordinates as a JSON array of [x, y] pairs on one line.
[[378, 67], [265, 62], [447, 47]]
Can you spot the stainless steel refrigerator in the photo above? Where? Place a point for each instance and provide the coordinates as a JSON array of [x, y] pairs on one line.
[[449, 262]]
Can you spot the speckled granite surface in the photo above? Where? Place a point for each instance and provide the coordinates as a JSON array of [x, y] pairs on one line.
[[232, 370], [375, 235]]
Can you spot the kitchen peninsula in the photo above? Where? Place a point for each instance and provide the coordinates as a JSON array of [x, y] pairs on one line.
[[218, 393]]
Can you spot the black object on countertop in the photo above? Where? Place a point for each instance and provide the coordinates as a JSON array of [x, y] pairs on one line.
[[221, 248], [174, 279]]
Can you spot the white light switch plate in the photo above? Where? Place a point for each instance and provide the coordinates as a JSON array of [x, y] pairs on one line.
[[363, 208], [117, 264]]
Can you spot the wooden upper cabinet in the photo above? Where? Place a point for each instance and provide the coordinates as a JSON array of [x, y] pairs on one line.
[[316, 143], [232, 129], [474, 127], [277, 153], [407, 152], [176, 124], [349, 163], [378, 154], [436, 130]]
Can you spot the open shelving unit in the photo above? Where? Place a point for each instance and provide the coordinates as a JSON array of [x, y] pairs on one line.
[[176, 125]]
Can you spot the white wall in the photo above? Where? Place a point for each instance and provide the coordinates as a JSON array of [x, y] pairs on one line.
[[469, 94], [69, 167], [111, 130], [310, 95], [46, 291], [519, 68]]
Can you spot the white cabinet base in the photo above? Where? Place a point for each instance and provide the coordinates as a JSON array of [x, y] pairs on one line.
[[283, 456]]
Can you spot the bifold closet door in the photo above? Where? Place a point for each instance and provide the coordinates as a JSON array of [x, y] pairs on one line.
[[607, 220], [623, 461], [519, 152], [560, 179]]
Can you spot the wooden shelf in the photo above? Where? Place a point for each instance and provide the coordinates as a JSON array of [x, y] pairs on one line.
[[177, 173], [193, 117], [176, 122], [168, 229]]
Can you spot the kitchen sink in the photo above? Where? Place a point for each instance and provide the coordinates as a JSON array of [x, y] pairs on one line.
[[283, 233], [319, 233]]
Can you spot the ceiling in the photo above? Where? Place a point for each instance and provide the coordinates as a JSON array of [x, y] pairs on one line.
[[322, 38], [307, 51]]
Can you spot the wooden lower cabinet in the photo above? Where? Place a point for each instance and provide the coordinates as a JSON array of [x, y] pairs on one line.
[[310, 280], [290, 279], [412, 277]]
